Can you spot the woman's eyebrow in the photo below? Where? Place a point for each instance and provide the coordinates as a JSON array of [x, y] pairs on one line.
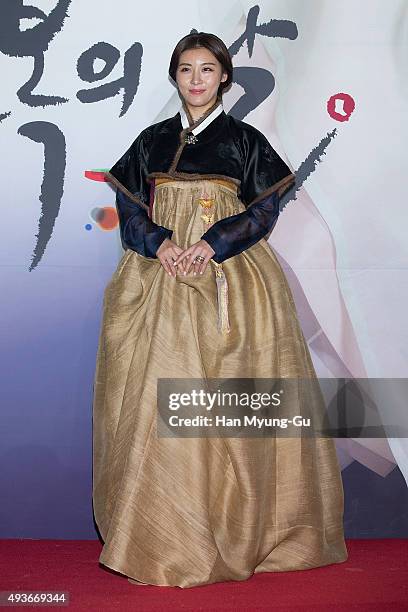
[[187, 64]]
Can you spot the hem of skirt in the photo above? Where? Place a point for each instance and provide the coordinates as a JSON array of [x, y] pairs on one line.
[[334, 561], [258, 570], [125, 574], [116, 568]]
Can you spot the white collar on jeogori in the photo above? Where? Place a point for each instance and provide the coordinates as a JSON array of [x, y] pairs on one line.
[[184, 120]]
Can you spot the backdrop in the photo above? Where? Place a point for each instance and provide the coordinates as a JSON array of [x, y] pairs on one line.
[[325, 82]]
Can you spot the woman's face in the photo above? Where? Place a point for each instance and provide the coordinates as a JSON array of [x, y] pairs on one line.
[[198, 76]]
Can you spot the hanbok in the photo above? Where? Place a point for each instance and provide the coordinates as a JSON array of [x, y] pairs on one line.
[[189, 511]]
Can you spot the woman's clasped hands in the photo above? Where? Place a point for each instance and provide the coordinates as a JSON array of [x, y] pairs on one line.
[[194, 259]]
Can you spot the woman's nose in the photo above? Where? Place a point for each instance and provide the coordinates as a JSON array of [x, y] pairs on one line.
[[196, 78]]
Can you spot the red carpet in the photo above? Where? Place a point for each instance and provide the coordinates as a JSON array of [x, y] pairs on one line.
[[375, 577]]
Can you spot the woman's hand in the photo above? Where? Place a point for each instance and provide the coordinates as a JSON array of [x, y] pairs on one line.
[[167, 253], [187, 257]]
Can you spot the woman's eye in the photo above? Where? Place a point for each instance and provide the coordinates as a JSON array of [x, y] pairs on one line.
[[185, 68]]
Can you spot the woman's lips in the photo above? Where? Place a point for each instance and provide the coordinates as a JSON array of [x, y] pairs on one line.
[[197, 92]]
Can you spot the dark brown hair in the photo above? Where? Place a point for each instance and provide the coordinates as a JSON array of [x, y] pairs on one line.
[[210, 42]]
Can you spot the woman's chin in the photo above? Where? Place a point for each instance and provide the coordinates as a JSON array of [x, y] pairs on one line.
[[198, 100]]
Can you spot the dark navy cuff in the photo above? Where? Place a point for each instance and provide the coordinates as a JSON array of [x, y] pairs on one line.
[[153, 240], [212, 237]]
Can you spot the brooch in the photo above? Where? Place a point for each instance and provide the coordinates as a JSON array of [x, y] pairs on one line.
[[191, 138]]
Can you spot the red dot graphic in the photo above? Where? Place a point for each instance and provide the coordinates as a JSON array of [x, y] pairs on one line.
[[106, 217], [340, 106]]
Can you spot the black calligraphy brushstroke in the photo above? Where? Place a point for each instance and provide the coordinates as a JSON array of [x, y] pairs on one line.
[[275, 28], [258, 87], [4, 116], [129, 82], [52, 186], [257, 83], [31, 43], [307, 167]]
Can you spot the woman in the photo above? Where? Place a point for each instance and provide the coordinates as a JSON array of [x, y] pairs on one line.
[[199, 293]]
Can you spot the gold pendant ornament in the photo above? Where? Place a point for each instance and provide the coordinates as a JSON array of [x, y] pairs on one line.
[[207, 203]]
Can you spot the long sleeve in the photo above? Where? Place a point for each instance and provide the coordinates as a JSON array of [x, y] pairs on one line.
[[129, 176], [138, 232], [234, 234], [265, 180]]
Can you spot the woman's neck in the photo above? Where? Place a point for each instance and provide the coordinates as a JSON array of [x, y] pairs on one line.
[[197, 112]]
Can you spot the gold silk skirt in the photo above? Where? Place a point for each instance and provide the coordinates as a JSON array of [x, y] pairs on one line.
[[193, 511]]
